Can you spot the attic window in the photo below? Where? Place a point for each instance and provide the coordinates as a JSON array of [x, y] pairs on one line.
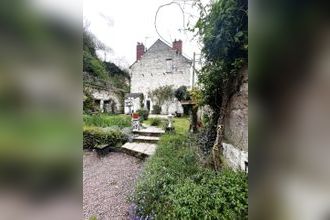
[[169, 65]]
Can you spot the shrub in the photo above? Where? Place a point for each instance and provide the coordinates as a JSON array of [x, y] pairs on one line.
[[185, 190], [144, 113], [89, 105], [103, 120], [156, 109], [181, 93], [93, 136], [155, 121]]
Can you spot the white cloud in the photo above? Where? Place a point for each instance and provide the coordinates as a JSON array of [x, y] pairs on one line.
[[121, 24]]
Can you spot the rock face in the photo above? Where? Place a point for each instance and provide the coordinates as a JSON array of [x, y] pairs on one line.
[[160, 65], [236, 126]]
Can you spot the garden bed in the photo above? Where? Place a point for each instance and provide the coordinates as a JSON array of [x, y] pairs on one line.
[[184, 189]]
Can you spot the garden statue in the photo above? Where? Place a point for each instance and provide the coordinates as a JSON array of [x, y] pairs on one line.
[[169, 126]]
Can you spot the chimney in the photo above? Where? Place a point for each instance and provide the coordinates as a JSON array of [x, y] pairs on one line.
[[139, 51], [177, 46]]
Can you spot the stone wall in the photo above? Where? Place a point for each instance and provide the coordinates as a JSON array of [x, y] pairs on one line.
[[106, 97], [151, 71], [236, 126], [103, 92]]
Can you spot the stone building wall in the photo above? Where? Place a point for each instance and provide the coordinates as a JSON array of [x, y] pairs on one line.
[[151, 71]]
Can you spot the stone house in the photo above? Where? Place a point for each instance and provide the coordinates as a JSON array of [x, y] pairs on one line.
[[158, 66]]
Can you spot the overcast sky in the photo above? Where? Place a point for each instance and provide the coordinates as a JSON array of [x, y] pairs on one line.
[[120, 24]]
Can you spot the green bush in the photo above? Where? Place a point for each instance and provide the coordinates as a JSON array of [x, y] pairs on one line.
[[185, 190], [156, 109], [144, 113], [155, 121], [93, 136], [103, 120]]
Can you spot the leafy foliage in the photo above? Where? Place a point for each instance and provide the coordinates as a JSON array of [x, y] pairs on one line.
[[103, 120], [144, 113], [91, 63], [185, 190], [89, 105], [93, 136], [196, 96], [181, 93], [155, 121], [223, 30]]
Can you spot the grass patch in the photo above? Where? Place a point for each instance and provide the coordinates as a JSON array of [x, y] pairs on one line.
[[181, 125], [185, 190], [103, 120]]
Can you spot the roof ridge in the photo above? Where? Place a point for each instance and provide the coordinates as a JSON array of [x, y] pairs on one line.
[[168, 45]]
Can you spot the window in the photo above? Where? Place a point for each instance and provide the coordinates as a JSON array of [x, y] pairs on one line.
[[169, 65]]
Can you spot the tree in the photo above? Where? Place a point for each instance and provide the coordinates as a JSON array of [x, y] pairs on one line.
[[222, 27], [162, 95]]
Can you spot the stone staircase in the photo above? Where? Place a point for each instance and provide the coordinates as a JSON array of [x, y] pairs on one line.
[[144, 141]]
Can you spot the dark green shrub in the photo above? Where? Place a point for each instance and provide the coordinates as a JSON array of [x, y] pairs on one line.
[[156, 109], [182, 93], [93, 136], [155, 121], [89, 105], [144, 113], [185, 190]]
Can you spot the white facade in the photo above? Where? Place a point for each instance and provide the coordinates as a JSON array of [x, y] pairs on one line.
[[160, 65]]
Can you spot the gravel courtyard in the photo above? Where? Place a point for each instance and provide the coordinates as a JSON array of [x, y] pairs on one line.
[[108, 181]]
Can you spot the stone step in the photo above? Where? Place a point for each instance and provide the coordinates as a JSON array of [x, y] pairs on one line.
[[140, 148], [156, 133], [149, 139]]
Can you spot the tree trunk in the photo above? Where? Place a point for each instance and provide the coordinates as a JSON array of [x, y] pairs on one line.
[[194, 118], [217, 150], [193, 123]]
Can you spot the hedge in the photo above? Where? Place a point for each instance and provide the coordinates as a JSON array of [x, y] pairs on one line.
[[96, 136], [174, 186]]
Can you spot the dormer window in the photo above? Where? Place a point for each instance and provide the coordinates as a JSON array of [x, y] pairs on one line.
[[169, 65]]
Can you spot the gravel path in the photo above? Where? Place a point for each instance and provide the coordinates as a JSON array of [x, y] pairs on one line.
[[108, 181]]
